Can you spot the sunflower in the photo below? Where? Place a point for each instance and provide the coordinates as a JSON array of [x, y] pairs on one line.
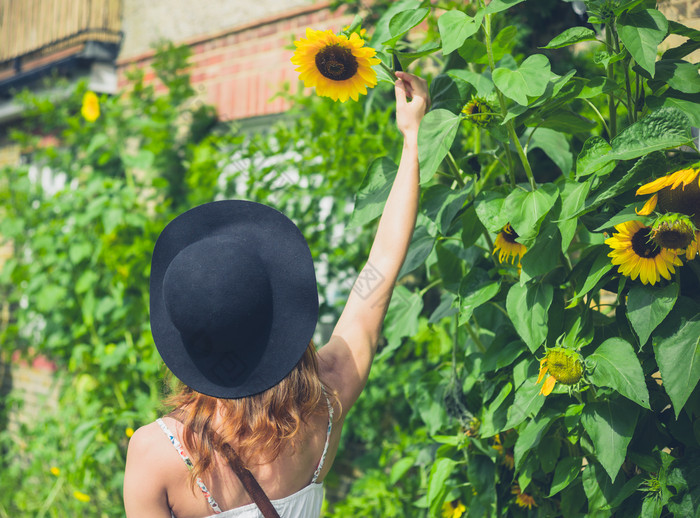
[[522, 499], [562, 365], [638, 256], [674, 231], [507, 246], [453, 509], [340, 67], [668, 197], [91, 107], [692, 249], [478, 112]]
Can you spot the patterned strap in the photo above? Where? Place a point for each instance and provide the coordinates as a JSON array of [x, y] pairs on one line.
[[325, 448], [176, 444]]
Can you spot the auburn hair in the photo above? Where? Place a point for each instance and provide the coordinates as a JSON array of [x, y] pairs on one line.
[[261, 426]]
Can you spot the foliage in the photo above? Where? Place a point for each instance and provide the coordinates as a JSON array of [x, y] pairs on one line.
[[83, 213], [558, 157]]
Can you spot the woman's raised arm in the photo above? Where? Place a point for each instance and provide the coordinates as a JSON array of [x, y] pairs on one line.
[[347, 357]]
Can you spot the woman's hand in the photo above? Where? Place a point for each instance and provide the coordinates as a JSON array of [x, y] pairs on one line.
[[412, 101]]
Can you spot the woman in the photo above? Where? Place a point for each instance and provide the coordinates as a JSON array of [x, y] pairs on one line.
[[241, 269]]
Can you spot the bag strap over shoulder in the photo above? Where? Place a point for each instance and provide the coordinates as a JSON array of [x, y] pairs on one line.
[[245, 476]]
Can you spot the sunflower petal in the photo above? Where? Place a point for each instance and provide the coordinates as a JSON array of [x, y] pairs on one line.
[[649, 206]]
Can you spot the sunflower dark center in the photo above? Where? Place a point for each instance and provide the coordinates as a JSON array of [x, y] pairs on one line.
[[678, 235], [336, 63], [509, 234], [643, 246]]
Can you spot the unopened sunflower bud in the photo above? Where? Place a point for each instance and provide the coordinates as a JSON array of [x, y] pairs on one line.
[[673, 231]]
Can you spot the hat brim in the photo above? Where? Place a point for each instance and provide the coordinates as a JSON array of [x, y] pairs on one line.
[[287, 259]]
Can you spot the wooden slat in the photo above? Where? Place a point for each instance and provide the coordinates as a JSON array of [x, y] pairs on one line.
[[29, 26]]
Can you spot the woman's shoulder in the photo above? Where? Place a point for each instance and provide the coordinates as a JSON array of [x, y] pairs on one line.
[[149, 447]]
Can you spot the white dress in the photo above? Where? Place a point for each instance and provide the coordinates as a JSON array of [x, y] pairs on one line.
[[305, 503]]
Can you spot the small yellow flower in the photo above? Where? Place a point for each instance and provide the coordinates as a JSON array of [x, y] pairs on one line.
[[82, 497], [523, 499], [91, 107], [453, 509], [506, 245], [562, 365], [55, 471], [129, 431]]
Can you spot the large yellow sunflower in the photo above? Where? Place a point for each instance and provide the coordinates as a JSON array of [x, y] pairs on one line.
[[638, 256], [339, 67], [507, 246], [670, 198]]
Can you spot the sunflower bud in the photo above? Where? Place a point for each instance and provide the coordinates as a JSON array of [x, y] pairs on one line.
[[565, 365], [673, 231], [478, 111]]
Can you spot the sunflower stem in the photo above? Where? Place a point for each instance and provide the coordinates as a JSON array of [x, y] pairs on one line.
[[504, 112], [477, 140], [454, 169], [474, 337], [389, 71], [610, 72]]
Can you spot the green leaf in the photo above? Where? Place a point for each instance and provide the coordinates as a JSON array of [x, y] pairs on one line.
[[642, 32], [601, 266], [476, 289], [400, 468], [617, 367], [381, 30], [448, 94], [530, 437], [566, 472], [554, 144], [493, 418], [373, 192], [610, 424], [677, 351], [597, 86], [530, 79], [409, 56], [437, 483], [455, 27], [527, 403], [435, 136], [496, 6], [401, 317], [571, 36], [543, 256], [565, 121], [647, 306], [573, 196], [474, 51], [594, 154], [403, 22], [527, 308], [481, 83], [690, 108], [527, 209], [679, 75], [600, 490], [663, 129], [489, 208]]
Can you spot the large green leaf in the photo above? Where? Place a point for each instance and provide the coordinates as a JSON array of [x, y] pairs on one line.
[[527, 209], [677, 350], [600, 266], [418, 251], [530, 437], [374, 191], [441, 204], [594, 155], [663, 129], [543, 256], [690, 108], [529, 80], [403, 22], [600, 490], [526, 404], [567, 470], [573, 197], [435, 136], [571, 36], [496, 6], [455, 27], [448, 94], [476, 289], [381, 29], [617, 366], [679, 75], [489, 208], [437, 483], [647, 306], [527, 308], [481, 83], [610, 424], [401, 317], [642, 32], [554, 144]]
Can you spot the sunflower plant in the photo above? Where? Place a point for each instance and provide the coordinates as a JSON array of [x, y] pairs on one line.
[[557, 249]]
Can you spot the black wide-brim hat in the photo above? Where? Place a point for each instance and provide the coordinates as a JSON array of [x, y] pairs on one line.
[[234, 302]]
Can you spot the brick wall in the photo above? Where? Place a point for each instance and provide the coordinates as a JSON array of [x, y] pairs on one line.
[[239, 70]]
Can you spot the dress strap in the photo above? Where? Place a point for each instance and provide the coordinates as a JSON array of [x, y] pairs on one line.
[[176, 444], [325, 447]]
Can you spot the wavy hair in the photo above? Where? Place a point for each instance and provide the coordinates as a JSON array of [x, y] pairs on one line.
[[261, 426]]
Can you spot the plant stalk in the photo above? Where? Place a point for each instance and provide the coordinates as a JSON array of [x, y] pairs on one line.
[[454, 169], [610, 72]]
